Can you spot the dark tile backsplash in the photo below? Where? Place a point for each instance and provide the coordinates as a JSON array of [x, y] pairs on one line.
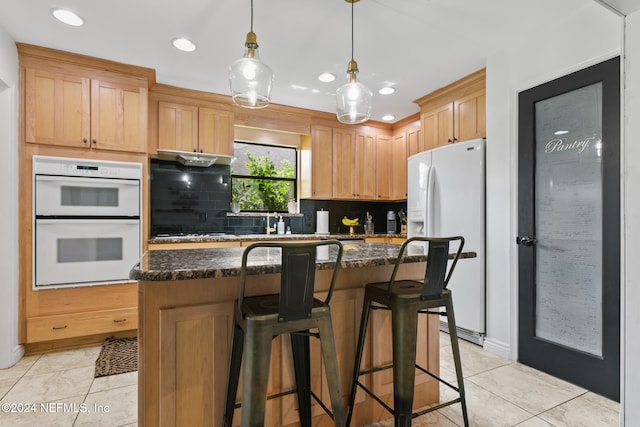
[[188, 199]]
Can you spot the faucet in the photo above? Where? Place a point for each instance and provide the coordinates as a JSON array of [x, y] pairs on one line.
[[268, 227]]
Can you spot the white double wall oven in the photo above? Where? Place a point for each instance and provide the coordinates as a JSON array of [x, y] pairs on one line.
[[86, 221]]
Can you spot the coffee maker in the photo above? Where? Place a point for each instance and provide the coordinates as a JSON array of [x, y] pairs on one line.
[[391, 222]]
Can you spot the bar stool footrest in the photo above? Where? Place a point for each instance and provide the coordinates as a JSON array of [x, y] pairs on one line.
[[288, 392]]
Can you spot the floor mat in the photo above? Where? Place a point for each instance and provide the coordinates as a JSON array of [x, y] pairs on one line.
[[118, 356]]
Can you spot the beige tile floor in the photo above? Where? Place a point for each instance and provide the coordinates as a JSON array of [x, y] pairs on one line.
[[59, 391]]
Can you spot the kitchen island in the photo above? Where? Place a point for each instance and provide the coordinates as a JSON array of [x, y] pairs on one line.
[[185, 308]]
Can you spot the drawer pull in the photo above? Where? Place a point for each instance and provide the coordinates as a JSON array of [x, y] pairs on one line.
[[56, 328], [119, 320]]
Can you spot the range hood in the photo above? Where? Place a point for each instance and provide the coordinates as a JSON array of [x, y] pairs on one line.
[[189, 158]]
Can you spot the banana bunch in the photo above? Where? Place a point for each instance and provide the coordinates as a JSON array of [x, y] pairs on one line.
[[350, 222]]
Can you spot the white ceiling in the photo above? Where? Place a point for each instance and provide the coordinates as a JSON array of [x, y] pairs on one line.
[[416, 46]]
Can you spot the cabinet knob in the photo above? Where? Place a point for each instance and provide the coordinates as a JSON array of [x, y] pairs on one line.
[[84, 140], [93, 141], [449, 140]]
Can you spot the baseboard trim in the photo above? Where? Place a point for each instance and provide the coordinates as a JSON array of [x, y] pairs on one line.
[[70, 343], [498, 348]]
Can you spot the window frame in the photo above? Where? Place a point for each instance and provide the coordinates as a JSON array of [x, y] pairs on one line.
[[294, 180]]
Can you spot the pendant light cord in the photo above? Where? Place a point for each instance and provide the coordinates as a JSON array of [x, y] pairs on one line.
[[252, 16], [352, 2]]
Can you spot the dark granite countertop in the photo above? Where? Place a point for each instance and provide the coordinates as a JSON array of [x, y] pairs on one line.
[[183, 264], [223, 237]]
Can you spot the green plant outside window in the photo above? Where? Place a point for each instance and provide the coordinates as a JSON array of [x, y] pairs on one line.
[[264, 178]]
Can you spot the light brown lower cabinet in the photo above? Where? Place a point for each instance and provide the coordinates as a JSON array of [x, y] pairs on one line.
[[185, 337], [63, 326]]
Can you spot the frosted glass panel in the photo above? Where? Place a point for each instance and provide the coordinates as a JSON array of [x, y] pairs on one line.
[[568, 214], [90, 249], [88, 196]]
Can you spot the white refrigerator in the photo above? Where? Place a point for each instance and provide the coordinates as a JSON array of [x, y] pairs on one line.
[[446, 197]]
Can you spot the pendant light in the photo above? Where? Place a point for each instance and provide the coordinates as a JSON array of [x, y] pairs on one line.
[[249, 78], [353, 99]]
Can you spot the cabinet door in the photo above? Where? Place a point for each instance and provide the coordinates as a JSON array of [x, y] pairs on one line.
[[384, 166], [118, 115], [415, 144], [344, 164], [399, 176], [57, 108], [437, 127], [366, 175], [195, 395], [470, 116], [215, 131], [177, 126], [321, 162], [429, 130], [444, 125]]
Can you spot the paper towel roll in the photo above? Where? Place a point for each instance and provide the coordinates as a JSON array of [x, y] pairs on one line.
[[322, 222], [322, 253]]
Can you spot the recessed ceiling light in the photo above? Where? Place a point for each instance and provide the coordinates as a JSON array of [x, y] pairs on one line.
[[326, 77], [388, 117], [68, 17], [386, 90], [183, 44]]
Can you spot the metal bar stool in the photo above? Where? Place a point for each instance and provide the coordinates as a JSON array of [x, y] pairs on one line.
[[258, 319], [406, 299]]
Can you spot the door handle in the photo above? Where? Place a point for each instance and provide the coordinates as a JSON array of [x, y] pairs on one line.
[[526, 241]]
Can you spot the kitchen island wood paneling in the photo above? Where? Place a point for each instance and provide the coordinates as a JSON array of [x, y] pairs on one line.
[[185, 315]]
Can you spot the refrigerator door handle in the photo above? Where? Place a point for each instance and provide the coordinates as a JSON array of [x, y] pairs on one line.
[[430, 210]]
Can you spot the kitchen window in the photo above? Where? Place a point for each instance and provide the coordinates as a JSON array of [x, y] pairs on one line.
[[263, 177]]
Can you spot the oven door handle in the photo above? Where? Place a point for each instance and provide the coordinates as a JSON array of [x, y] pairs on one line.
[[80, 180]]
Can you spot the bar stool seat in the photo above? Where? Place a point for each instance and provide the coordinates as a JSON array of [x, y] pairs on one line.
[[259, 319], [406, 299]]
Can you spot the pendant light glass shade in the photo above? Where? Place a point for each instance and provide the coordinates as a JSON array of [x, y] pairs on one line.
[[250, 79], [353, 99]]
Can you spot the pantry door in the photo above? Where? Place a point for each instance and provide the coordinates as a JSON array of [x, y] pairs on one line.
[[569, 228]]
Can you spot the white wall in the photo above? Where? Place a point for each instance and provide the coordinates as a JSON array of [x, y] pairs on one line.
[[10, 351], [562, 45], [631, 249]]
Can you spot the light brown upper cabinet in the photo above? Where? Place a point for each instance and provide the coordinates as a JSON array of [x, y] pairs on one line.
[[177, 126], [344, 164], [366, 177], [215, 131], [470, 116], [415, 142], [68, 108], [316, 158], [354, 154], [454, 113], [399, 177], [384, 167], [187, 127]]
